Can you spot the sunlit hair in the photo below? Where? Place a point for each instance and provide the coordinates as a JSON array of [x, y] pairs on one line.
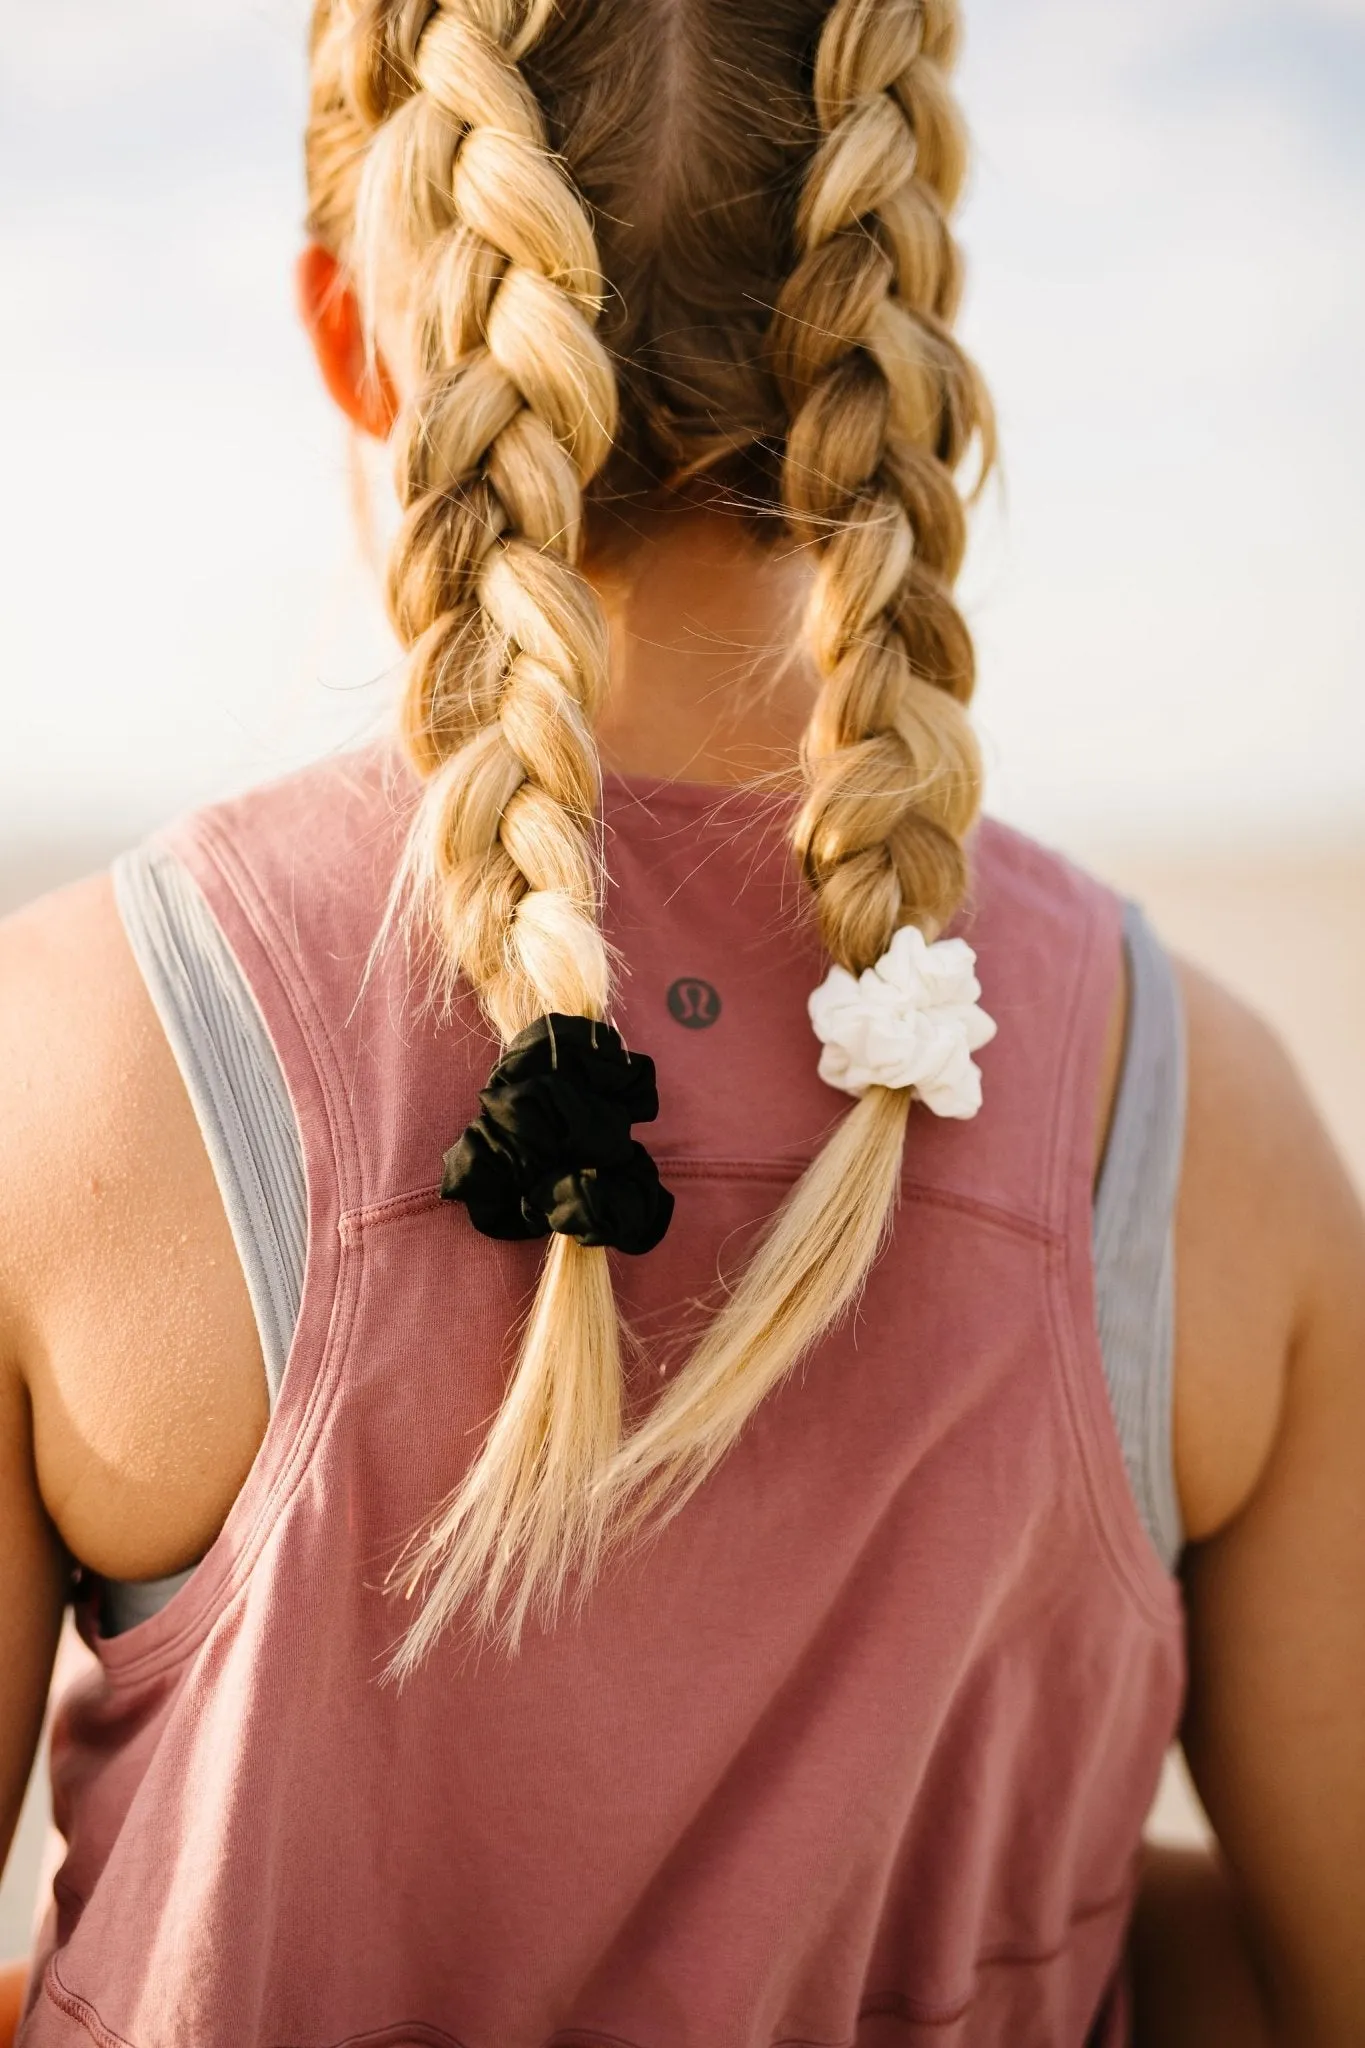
[[634, 252]]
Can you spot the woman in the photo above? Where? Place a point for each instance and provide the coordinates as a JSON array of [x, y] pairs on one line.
[[800, 1669]]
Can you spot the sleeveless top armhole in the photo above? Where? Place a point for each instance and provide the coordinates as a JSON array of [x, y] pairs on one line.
[[241, 1103], [235, 1083]]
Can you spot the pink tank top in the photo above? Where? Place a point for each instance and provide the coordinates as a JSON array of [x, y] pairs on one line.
[[859, 1751]]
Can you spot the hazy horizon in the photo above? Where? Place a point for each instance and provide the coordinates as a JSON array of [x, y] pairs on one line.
[[1166, 236]]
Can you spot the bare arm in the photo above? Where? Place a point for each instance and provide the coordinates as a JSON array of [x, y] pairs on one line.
[[132, 1393], [33, 1564], [1264, 1945], [33, 1579]]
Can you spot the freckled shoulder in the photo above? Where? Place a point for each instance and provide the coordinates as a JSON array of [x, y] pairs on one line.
[[1258, 1186], [77, 1050], [121, 1297]]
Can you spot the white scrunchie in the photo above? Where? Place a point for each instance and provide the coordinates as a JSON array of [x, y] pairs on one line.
[[912, 1021]]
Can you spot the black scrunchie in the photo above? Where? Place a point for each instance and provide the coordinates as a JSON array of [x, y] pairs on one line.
[[553, 1151]]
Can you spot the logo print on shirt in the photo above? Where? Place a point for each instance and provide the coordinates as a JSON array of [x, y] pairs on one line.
[[694, 1004]]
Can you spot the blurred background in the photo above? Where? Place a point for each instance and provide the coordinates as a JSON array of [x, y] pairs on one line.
[[1167, 239]]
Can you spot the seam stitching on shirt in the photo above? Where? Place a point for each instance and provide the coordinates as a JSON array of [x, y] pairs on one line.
[[416, 1201], [888, 2005]]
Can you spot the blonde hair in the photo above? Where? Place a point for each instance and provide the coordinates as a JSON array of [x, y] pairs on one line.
[[782, 279]]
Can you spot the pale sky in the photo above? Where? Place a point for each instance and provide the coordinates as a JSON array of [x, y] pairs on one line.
[[1167, 239]]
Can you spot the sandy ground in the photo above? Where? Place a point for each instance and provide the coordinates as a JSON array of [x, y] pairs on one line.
[[1285, 929]]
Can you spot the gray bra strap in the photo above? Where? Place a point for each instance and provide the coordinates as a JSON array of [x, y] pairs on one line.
[[234, 1079], [242, 1105], [1135, 1232]]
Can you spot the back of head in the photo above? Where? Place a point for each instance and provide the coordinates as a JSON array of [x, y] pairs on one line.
[[630, 254]]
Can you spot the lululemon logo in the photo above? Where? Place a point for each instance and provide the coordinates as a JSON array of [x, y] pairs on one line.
[[693, 1004]]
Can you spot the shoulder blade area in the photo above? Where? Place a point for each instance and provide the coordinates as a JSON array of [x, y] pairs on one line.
[[122, 1301]]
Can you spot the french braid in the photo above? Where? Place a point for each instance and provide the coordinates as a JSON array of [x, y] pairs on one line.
[[514, 412], [725, 174], [884, 407]]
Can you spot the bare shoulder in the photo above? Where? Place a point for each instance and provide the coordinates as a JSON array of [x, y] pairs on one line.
[[78, 1056], [122, 1304], [1263, 1200], [1270, 1439]]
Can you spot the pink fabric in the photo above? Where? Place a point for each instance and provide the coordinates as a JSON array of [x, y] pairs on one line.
[[858, 1752]]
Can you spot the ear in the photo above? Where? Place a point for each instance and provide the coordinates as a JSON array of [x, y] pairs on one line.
[[331, 313]]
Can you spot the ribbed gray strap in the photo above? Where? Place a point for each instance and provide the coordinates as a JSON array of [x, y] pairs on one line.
[[234, 1080], [1135, 1233], [235, 1084], [124, 1603]]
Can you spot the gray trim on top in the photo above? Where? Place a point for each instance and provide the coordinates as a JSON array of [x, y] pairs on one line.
[[1135, 1232], [240, 1099], [235, 1082]]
